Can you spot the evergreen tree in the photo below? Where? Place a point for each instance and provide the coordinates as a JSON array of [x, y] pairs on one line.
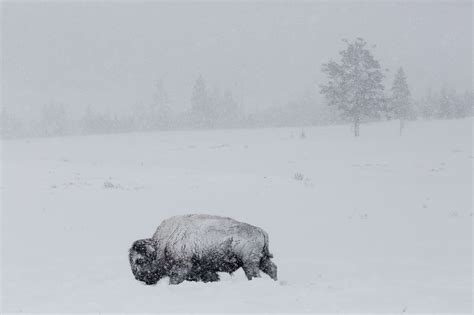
[[201, 107], [400, 102], [88, 122], [229, 111], [427, 107], [53, 120], [355, 84], [97, 123], [160, 110], [142, 119], [10, 126], [463, 105], [467, 104], [446, 104]]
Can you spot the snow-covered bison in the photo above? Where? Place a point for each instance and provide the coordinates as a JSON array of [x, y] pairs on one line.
[[195, 247]]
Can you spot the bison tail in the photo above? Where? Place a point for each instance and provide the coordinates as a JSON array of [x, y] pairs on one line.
[[266, 250]]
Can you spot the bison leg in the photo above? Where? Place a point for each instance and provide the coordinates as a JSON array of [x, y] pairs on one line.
[[251, 270], [267, 266], [209, 276], [179, 273]]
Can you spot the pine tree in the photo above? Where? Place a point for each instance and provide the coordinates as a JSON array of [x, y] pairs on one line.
[[462, 105], [160, 108], [446, 104], [201, 104], [355, 84], [400, 103], [97, 123], [427, 106], [87, 122], [467, 104], [53, 120], [229, 110], [10, 126]]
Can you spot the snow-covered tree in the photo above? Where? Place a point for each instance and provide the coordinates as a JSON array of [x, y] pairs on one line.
[[227, 111], [400, 101], [155, 114], [355, 83], [10, 126], [160, 108], [447, 103], [53, 120], [97, 123], [88, 121], [464, 108], [202, 108], [426, 107]]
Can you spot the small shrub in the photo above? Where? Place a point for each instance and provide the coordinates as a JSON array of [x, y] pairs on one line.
[[109, 185], [299, 176]]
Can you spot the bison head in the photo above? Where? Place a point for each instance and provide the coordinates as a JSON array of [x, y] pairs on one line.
[[145, 261]]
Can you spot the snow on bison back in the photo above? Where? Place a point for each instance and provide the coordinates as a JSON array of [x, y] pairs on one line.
[[195, 247]]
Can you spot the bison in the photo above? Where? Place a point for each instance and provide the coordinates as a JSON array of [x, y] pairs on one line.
[[195, 247]]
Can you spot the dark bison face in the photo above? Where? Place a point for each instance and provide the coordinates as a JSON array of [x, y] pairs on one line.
[[144, 261]]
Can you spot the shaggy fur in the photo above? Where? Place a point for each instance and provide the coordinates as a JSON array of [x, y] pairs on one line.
[[195, 247]]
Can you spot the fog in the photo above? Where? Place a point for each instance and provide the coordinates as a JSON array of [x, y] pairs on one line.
[[109, 55], [236, 157]]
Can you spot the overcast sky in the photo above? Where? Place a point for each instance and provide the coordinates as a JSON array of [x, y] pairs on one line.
[[108, 55]]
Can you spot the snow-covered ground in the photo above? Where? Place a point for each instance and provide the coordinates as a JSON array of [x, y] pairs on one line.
[[382, 223]]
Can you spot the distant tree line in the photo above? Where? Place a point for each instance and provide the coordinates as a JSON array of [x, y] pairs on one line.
[[209, 109], [354, 92]]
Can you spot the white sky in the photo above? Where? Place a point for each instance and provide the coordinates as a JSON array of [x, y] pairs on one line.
[[108, 54]]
